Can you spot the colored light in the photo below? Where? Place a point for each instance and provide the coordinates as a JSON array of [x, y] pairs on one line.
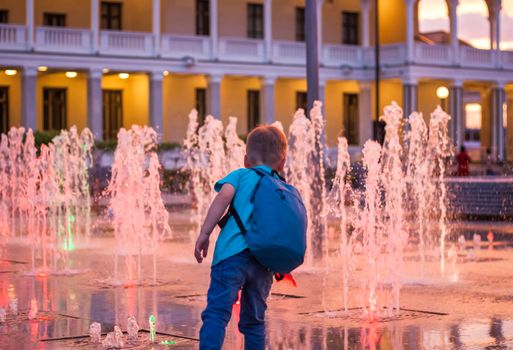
[[167, 342], [165, 73], [442, 92], [42, 68], [105, 70], [123, 75], [71, 74], [10, 72]]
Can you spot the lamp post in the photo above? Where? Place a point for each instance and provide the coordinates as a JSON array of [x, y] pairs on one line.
[[442, 93]]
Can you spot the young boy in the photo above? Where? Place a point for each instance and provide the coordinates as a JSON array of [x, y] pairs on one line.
[[233, 266]]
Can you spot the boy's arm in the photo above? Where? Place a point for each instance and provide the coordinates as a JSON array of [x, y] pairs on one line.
[[215, 212]]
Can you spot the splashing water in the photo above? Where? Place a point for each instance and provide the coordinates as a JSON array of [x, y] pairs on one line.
[[139, 215]]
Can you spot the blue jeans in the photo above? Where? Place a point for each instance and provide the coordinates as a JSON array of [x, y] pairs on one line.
[[226, 279]]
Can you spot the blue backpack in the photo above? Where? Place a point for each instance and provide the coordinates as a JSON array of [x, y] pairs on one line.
[[277, 237]]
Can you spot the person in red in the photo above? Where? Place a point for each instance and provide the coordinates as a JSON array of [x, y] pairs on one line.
[[463, 160]]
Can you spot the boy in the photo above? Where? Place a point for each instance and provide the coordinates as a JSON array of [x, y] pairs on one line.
[[233, 266]]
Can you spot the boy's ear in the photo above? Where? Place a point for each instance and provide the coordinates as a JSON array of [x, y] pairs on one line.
[[282, 165], [246, 162]]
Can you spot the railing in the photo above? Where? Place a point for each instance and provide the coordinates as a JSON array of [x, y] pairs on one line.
[[63, 40], [394, 54], [507, 59], [472, 57], [439, 55], [12, 37], [339, 55], [122, 43], [289, 52], [179, 46], [126, 43], [241, 50]]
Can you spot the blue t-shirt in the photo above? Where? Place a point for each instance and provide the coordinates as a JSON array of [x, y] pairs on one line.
[[231, 241]]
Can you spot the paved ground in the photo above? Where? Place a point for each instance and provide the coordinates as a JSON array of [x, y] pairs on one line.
[[469, 308]]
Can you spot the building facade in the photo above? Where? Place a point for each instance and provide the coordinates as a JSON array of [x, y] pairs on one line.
[[113, 63]]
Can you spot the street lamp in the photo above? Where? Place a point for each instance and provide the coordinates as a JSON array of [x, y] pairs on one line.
[[442, 93]]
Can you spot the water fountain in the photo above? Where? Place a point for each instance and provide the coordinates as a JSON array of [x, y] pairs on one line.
[[140, 219]]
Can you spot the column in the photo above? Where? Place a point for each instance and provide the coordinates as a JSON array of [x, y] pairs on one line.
[[365, 112], [95, 103], [456, 125], [455, 43], [267, 99], [495, 19], [268, 27], [213, 28], [498, 134], [214, 96], [410, 34], [29, 18], [365, 8], [410, 88], [156, 27], [156, 108], [95, 27], [28, 98]]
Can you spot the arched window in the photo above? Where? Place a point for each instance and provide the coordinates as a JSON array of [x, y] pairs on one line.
[[433, 16], [473, 23], [507, 25]]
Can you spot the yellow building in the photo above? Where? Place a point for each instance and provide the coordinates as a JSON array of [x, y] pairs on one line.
[[113, 63]]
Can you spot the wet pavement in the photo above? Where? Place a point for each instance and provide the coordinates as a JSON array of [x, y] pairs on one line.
[[471, 307]]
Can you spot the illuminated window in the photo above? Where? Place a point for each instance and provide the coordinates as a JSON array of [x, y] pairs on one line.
[[473, 120]]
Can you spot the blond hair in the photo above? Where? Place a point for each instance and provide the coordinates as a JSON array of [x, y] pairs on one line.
[[267, 145]]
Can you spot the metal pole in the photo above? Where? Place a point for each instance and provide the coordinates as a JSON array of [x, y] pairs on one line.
[[377, 62], [312, 53], [317, 237]]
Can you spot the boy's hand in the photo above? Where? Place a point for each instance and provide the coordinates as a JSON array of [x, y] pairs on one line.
[[201, 249]]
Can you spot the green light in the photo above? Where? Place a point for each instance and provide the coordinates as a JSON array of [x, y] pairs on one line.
[[168, 342], [152, 320], [70, 246]]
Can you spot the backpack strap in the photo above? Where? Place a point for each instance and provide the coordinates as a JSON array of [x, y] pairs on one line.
[[233, 212]]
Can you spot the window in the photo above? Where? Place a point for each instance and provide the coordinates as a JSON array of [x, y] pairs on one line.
[[350, 25], [255, 21], [112, 113], [4, 109], [301, 100], [300, 24], [201, 104], [111, 15], [202, 17], [253, 109], [54, 109], [351, 118], [54, 19], [4, 16], [473, 122]]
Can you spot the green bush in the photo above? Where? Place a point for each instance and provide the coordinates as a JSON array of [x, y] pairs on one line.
[[44, 137], [109, 145], [167, 146]]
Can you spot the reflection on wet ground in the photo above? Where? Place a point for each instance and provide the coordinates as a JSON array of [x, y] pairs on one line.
[[474, 313]]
